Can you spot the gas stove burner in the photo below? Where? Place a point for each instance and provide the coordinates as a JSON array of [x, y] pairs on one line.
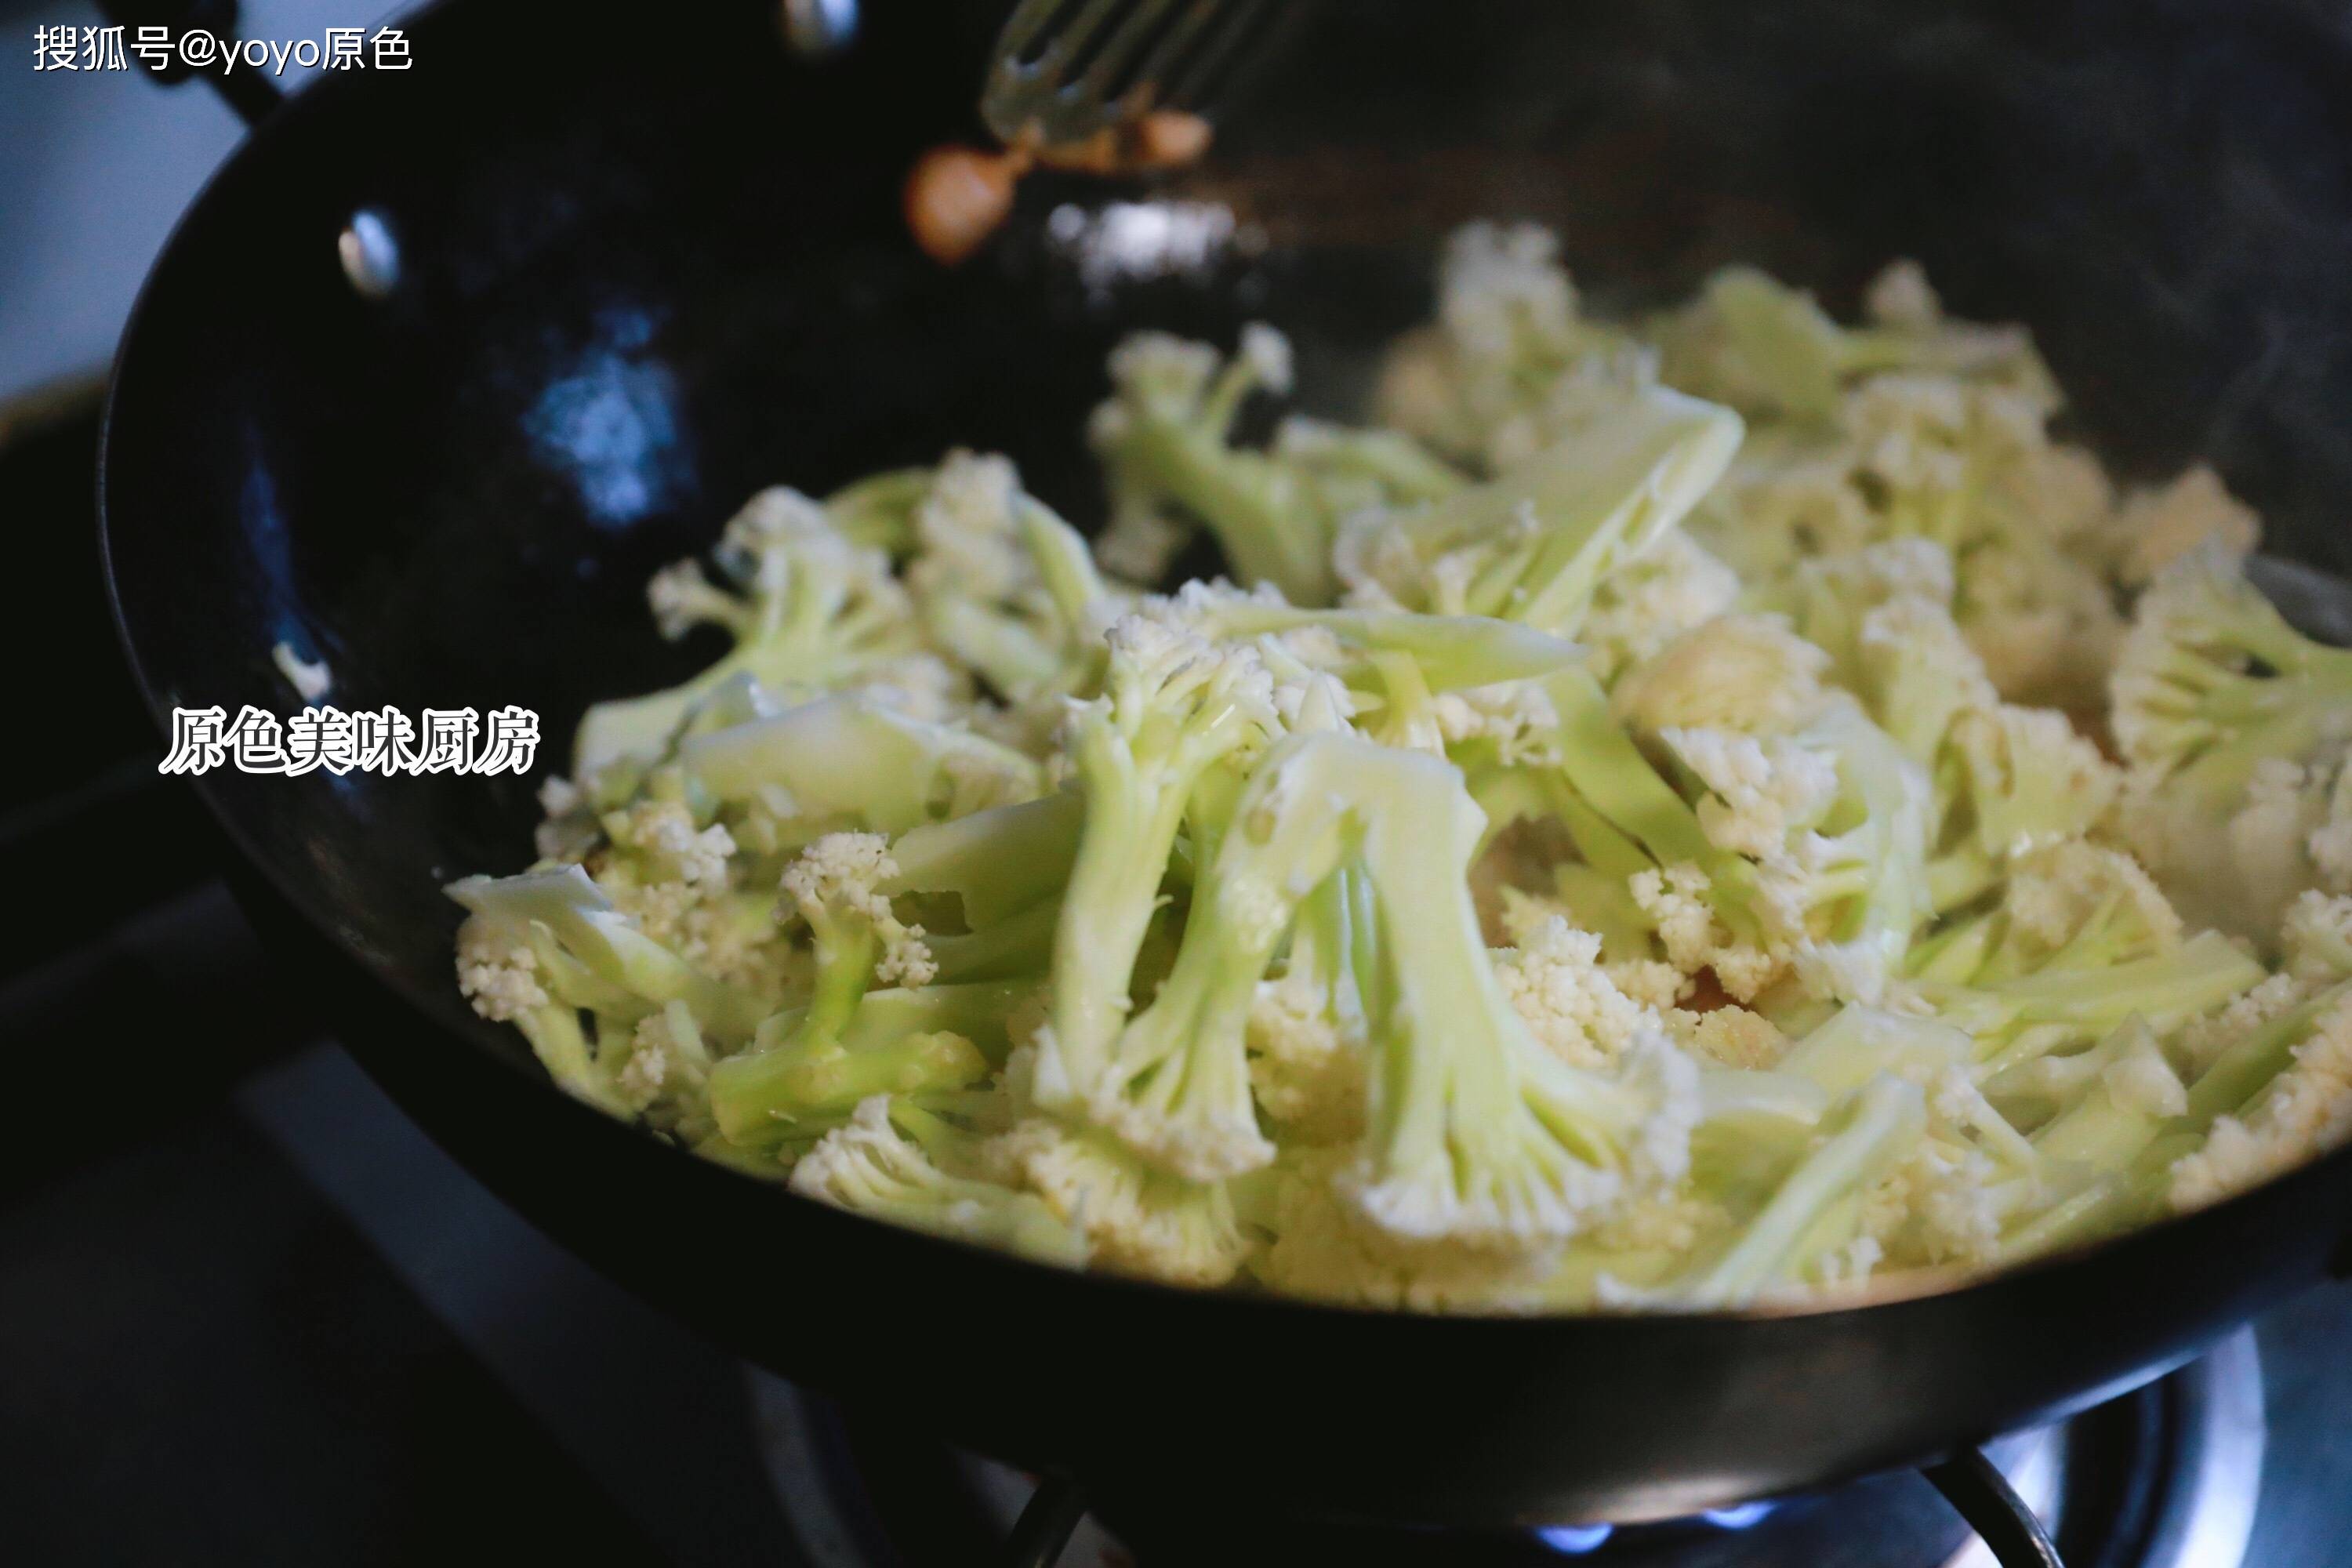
[[2164, 1477]]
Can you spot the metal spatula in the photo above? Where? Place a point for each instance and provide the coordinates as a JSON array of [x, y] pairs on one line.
[[1068, 71]]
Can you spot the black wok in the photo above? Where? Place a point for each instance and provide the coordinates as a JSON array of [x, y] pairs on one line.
[[650, 262]]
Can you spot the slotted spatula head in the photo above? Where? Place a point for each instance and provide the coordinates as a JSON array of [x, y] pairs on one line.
[[1068, 70]]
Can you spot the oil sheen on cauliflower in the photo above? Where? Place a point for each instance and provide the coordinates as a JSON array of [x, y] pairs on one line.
[[1721, 808]]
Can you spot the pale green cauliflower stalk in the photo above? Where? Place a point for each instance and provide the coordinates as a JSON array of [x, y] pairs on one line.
[[1676, 813]]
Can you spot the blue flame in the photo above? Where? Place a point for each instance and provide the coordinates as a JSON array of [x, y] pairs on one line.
[[1579, 1540], [1575, 1540]]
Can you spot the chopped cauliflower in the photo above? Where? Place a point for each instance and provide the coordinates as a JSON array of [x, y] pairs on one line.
[[2051, 894], [2330, 843], [1323, 1250], [1729, 1036], [1634, 830], [1676, 898], [1679, 585], [2156, 527], [1517, 717], [1556, 982], [1939, 1207], [867, 1166], [2318, 937], [663, 831], [667, 1073], [497, 973], [1745, 673], [843, 872], [1760, 793], [1307, 1065], [966, 532], [2198, 1043], [1901, 296], [2304, 1113], [1136, 1219]]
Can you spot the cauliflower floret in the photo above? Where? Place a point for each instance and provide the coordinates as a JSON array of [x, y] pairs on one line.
[[1555, 983], [2228, 716], [1729, 1036], [777, 515], [2051, 894], [1515, 716], [1677, 587], [1267, 353], [866, 1167], [1779, 506], [730, 938], [2330, 843], [2067, 489], [1937, 1206], [2033, 778], [570, 831], [674, 880], [1901, 300], [1646, 981], [1668, 1080], [841, 873], [682, 598], [1666, 1222], [1592, 384], [2045, 626], [1500, 283], [1137, 1220], [2305, 1113], [2196, 1045], [1901, 296], [2318, 937], [1141, 541], [1884, 572], [1759, 792], [662, 833], [667, 1075], [558, 797], [1745, 673], [2154, 528], [2283, 818], [1916, 669], [1507, 330], [920, 685], [967, 532], [1323, 1245], [1675, 899], [496, 973], [1324, 1250], [1911, 429], [1305, 1068], [1845, 1267]]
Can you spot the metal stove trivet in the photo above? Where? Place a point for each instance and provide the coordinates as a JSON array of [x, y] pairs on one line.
[[2164, 1477]]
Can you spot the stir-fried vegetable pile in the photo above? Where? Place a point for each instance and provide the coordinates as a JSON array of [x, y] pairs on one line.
[[1683, 811]]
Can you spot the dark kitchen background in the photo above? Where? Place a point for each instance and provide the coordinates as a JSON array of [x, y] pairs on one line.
[[249, 1314]]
